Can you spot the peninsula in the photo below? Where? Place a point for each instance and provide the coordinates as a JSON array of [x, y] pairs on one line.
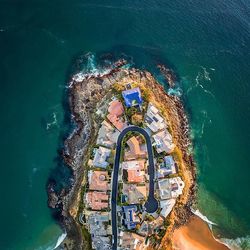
[[134, 175]]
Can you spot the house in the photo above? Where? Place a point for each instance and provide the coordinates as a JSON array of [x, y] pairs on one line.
[[134, 171], [107, 135], [115, 112], [98, 180], [153, 119], [101, 156], [97, 200], [163, 142], [166, 206], [167, 167], [148, 228], [97, 223], [116, 108], [130, 241], [130, 218], [99, 227], [135, 150], [134, 193], [170, 188], [132, 97], [101, 243]]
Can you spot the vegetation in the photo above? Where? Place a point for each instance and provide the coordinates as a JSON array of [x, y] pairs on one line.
[[129, 112], [166, 223], [118, 87], [149, 218], [161, 233], [146, 94], [87, 237], [111, 158], [137, 119]]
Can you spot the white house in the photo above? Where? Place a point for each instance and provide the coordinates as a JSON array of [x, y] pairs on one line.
[[107, 135], [167, 206], [101, 156], [153, 119], [170, 188], [163, 142]]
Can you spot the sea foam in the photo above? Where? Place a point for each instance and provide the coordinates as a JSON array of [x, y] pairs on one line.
[[90, 70], [240, 243]]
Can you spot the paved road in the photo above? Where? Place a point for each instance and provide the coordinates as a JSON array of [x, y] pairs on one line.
[[151, 204]]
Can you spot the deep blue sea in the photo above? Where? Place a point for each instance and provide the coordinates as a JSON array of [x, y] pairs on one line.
[[207, 43]]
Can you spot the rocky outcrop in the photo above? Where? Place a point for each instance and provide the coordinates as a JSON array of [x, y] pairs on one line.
[[168, 74]]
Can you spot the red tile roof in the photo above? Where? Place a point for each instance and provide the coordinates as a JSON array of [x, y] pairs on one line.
[[98, 180], [134, 149], [97, 200]]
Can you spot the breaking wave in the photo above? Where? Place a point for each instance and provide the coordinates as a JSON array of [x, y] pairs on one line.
[[203, 217], [91, 69], [60, 240], [175, 91], [241, 243]]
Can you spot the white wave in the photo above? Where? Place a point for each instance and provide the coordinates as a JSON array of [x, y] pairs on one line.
[[201, 76], [175, 91], [60, 240], [240, 243], [79, 77], [54, 122], [91, 70], [206, 74], [203, 217]]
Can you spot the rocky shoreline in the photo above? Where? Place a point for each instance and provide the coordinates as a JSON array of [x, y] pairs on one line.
[[85, 95]]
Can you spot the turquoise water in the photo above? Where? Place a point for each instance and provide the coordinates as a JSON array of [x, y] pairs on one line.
[[206, 43]]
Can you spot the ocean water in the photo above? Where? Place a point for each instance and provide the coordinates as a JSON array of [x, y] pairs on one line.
[[41, 42]]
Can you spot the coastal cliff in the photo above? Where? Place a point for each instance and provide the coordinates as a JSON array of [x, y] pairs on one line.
[[88, 94]]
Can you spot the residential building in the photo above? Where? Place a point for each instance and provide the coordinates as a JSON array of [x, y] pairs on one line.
[[97, 200], [98, 223], [167, 167], [99, 227], [167, 206], [132, 97], [153, 119], [148, 228], [101, 243], [163, 142], [115, 112], [98, 180], [170, 188], [116, 108], [107, 135], [134, 171], [134, 193], [101, 156], [130, 218], [135, 150], [130, 241]]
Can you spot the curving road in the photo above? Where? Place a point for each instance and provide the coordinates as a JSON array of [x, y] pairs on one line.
[[151, 204]]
